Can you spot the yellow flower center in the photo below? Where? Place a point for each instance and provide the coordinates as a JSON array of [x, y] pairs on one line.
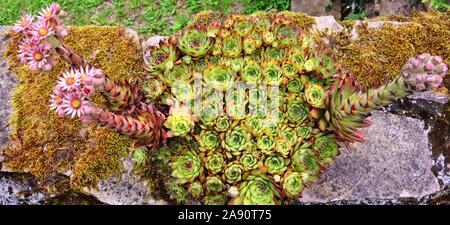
[[58, 100], [25, 23], [38, 56], [48, 14], [70, 81], [83, 76], [76, 103], [43, 31]]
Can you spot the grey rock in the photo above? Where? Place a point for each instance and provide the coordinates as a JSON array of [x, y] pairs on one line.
[[388, 7], [17, 189], [318, 7], [327, 23], [7, 84]]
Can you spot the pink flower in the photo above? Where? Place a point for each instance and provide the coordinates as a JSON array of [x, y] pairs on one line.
[[50, 12], [41, 30], [56, 102], [86, 74], [70, 80], [24, 25], [87, 91], [38, 59], [75, 105], [25, 49]]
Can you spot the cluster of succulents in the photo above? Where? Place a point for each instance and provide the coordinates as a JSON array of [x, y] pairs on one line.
[[257, 107]]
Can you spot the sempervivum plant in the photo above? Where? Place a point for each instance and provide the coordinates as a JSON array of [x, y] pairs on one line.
[[257, 109]]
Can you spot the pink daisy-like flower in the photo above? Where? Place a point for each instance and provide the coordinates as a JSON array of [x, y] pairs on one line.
[[25, 49], [70, 80], [41, 30], [37, 58], [56, 102], [24, 25], [86, 74], [50, 12], [74, 106]]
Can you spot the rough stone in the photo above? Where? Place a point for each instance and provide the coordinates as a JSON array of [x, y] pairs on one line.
[[17, 189], [395, 163], [318, 8], [7, 84], [388, 7], [327, 23]]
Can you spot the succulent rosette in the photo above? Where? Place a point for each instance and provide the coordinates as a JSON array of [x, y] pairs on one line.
[[257, 189], [288, 135], [176, 191], [214, 184], [289, 70], [287, 35], [219, 78], [233, 173], [249, 161], [195, 43], [160, 57], [199, 65], [140, 156], [266, 144], [295, 86], [275, 164], [296, 112], [214, 163], [304, 160], [153, 88], [182, 91], [232, 46], [222, 124], [283, 148], [292, 184], [272, 73], [315, 95], [270, 127], [214, 199], [257, 96], [243, 28], [187, 167], [209, 114], [179, 72], [252, 72], [304, 132], [274, 54], [253, 125], [268, 37], [195, 189], [326, 145], [179, 124], [236, 140], [237, 64], [208, 140]]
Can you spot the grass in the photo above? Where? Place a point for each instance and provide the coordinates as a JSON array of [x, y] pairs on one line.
[[150, 17]]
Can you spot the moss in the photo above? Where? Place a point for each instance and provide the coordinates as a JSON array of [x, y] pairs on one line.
[[43, 143], [300, 19], [377, 55]]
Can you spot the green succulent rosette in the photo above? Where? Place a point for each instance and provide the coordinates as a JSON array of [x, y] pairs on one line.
[[262, 24], [219, 78], [214, 199], [195, 43], [253, 125], [209, 114], [153, 88], [292, 184], [252, 72], [326, 66], [288, 135], [327, 147], [237, 64], [200, 65], [249, 161], [270, 127], [275, 164], [283, 148], [289, 70], [195, 189], [214, 184], [257, 96], [310, 64], [140, 156], [242, 28], [296, 112], [179, 124], [233, 173], [214, 163], [257, 189], [295, 86], [222, 124], [274, 54], [236, 140], [177, 73], [315, 95], [209, 140], [187, 167], [182, 91], [304, 160], [266, 144], [304, 132], [268, 37], [250, 45], [232, 46], [272, 73], [298, 59], [175, 191], [287, 35], [160, 57]]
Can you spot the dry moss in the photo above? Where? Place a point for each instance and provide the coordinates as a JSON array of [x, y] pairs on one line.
[[377, 55], [300, 19], [43, 143]]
